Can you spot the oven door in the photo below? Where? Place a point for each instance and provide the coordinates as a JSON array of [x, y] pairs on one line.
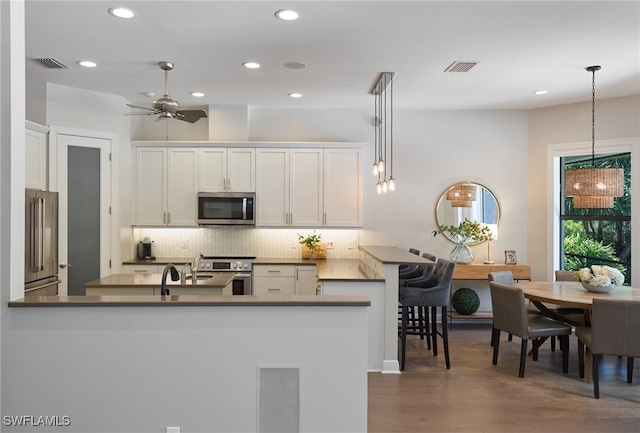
[[226, 208], [241, 284]]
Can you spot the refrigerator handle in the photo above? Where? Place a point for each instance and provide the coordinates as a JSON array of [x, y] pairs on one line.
[[39, 238]]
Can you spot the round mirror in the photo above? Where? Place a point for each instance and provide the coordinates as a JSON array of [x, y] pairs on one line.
[[468, 200]]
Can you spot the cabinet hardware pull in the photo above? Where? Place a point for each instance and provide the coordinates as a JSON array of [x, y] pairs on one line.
[[273, 270], [274, 289]]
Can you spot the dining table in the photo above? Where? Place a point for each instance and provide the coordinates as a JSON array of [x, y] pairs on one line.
[[570, 294], [548, 295]]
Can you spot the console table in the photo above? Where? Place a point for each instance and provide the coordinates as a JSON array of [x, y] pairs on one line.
[[481, 271]]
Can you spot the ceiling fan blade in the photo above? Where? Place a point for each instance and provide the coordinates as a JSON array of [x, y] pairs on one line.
[[140, 113], [140, 107], [190, 116]]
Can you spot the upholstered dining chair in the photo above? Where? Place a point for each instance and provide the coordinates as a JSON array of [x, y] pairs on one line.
[[424, 296], [510, 315], [573, 315], [565, 275], [502, 277], [614, 330]]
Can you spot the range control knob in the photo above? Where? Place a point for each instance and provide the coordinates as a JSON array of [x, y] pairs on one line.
[[234, 265], [246, 266]]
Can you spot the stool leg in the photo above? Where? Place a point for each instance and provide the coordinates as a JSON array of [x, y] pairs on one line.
[[434, 330], [426, 326], [445, 338], [629, 369]]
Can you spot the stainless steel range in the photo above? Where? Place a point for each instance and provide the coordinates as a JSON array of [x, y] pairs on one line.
[[241, 266]]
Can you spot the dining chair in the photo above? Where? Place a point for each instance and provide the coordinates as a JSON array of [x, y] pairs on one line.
[[510, 315], [425, 297], [502, 277], [565, 275], [573, 315], [614, 330]]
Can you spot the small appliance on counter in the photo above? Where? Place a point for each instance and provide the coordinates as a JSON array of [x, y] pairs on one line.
[[145, 249]]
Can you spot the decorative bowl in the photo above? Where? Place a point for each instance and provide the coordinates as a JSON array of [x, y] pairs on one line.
[[598, 289]]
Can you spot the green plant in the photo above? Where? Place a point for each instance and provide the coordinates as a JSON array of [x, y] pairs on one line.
[[466, 231], [311, 241]]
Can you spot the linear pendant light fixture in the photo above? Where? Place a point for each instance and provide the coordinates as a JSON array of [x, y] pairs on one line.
[[382, 90], [593, 188]]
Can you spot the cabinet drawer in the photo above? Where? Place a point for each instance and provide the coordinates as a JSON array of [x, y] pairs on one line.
[[141, 269], [273, 271], [273, 286]]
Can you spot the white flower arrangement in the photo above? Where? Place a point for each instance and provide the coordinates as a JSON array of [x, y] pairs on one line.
[[600, 275]]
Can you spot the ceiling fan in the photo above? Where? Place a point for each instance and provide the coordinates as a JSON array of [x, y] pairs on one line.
[[166, 107]]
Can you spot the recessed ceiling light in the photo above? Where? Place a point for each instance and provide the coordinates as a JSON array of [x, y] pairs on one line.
[[295, 65], [287, 15], [122, 12], [251, 65], [540, 92], [295, 95], [87, 63], [197, 94]]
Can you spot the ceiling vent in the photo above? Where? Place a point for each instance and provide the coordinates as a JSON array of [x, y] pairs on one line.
[[51, 63], [461, 66]]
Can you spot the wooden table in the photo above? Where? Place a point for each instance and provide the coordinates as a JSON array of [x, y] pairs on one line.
[[570, 294]]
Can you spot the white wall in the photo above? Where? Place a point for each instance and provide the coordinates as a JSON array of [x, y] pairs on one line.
[[615, 118]]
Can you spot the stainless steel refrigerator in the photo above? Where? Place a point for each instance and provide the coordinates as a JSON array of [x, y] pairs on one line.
[[41, 243]]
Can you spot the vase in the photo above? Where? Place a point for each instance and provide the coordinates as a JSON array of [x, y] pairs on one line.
[[597, 289], [461, 254]]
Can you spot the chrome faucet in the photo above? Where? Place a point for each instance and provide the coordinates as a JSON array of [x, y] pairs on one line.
[[175, 276], [194, 269]]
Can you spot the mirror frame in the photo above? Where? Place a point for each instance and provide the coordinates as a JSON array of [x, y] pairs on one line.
[[442, 200]]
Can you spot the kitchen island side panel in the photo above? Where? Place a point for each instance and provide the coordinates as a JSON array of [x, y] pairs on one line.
[[114, 369]]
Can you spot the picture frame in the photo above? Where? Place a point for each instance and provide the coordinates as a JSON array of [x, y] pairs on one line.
[[510, 257]]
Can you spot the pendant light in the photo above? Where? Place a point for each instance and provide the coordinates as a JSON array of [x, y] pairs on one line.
[[383, 132], [593, 188]]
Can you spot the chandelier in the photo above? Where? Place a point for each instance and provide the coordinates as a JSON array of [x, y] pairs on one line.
[[593, 188], [383, 139]]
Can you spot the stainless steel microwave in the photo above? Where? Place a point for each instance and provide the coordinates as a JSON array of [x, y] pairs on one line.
[[226, 208]]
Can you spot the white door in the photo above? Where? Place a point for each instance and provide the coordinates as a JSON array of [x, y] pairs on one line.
[[84, 186]]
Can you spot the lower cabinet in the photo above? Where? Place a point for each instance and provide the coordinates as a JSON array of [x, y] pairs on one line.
[[285, 280], [146, 269]]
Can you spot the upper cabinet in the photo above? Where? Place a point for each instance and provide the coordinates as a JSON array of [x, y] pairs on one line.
[[36, 157], [166, 186], [342, 188], [308, 187], [227, 169]]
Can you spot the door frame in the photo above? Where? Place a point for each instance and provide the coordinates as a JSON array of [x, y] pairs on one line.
[[109, 251]]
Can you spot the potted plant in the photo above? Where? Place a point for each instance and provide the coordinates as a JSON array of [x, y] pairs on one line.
[[465, 232], [312, 243]]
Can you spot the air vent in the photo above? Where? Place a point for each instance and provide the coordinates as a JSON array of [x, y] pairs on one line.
[[461, 66], [51, 63]]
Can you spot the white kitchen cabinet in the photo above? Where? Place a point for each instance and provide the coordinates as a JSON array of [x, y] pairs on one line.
[[306, 280], [342, 188], [227, 169], [36, 157], [285, 280], [142, 269], [289, 187], [166, 186], [273, 280]]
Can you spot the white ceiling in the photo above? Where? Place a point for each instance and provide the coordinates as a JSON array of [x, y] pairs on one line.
[[521, 46]]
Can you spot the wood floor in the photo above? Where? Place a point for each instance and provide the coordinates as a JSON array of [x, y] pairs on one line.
[[478, 397]]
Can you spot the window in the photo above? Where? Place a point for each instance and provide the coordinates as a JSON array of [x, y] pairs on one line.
[[597, 236]]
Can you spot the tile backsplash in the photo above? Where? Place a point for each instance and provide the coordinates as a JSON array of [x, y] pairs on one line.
[[244, 241]]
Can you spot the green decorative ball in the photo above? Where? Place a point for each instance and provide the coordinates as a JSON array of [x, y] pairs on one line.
[[465, 301]]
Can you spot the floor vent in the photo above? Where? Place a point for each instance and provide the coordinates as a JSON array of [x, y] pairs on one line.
[[51, 63], [461, 66]]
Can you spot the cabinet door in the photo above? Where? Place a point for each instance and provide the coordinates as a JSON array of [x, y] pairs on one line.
[[182, 187], [151, 183], [241, 170], [342, 188], [36, 160], [213, 169], [305, 199], [272, 187], [306, 280]]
